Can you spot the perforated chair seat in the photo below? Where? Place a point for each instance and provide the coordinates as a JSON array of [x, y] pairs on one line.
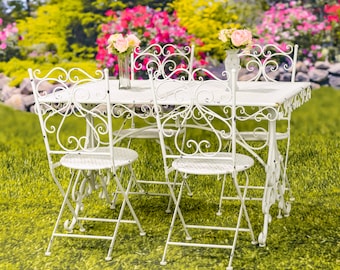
[[206, 166], [122, 157]]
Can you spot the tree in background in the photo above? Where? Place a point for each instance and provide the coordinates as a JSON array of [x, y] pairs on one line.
[[60, 31], [204, 19]]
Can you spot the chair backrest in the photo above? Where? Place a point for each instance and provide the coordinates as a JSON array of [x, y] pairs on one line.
[[73, 115], [201, 113], [269, 63], [164, 58]]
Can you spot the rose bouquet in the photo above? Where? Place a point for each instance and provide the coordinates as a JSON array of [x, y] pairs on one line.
[[122, 46], [234, 39]]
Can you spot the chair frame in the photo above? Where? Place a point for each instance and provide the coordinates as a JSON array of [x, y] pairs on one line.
[[262, 62], [166, 59], [196, 157], [90, 155]]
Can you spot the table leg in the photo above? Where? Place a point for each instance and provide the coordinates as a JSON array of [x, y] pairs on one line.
[[272, 184]]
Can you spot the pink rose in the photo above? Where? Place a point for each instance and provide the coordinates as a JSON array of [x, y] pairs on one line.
[[121, 44], [133, 40], [241, 38]]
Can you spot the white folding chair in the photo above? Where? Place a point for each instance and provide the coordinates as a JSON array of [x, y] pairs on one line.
[[139, 120], [76, 126], [164, 58], [269, 63], [197, 143]]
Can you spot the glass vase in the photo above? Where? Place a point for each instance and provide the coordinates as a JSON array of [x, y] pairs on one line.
[[124, 71], [232, 61]]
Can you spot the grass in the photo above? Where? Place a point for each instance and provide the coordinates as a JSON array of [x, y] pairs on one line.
[[308, 239]]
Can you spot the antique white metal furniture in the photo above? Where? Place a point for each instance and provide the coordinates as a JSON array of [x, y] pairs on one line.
[[197, 143], [78, 137], [269, 63], [269, 101], [140, 124], [164, 58]]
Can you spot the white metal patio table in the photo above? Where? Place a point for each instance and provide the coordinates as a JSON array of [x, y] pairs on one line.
[[270, 101]]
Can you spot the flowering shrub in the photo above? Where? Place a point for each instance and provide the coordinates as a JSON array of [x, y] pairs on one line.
[[292, 24], [332, 15], [235, 39], [8, 41], [150, 26]]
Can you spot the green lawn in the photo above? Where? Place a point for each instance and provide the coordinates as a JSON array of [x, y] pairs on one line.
[[308, 239]]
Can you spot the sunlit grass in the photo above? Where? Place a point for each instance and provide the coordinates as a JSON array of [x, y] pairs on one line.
[[308, 239]]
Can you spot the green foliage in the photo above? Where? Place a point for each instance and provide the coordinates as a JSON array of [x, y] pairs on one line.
[[204, 19], [61, 29], [307, 239], [17, 69]]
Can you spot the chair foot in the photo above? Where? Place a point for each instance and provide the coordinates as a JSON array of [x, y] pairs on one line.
[[229, 268], [163, 263], [48, 253], [262, 240], [168, 211], [142, 233], [254, 242], [189, 238], [108, 258], [219, 213]]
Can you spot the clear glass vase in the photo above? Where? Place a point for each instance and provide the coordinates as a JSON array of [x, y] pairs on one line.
[[232, 61], [124, 71]]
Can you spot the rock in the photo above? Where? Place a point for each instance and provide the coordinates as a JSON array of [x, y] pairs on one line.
[[286, 77], [28, 100], [315, 85], [318, 75], [8, 91], [301, 67], [335, 69], [26, 87], [16, 102], [301, 77], [334, 81], [322, 65]]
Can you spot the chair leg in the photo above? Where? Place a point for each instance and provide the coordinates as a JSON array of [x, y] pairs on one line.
[[242, 210], [61, 211], [219, 212], [176, 212], [125, 202]]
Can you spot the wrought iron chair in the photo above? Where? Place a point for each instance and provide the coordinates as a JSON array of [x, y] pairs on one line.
[[269, 63], [166, 59], [76, 125], [200, 128]]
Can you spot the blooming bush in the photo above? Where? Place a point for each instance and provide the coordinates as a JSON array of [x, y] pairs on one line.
[[8, 41], [332, 15], [150, 26], [292, 24], [235, 39]]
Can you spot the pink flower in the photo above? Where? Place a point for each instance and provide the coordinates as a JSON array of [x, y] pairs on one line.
[[241, 38], [121, 44], [133, 40]]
